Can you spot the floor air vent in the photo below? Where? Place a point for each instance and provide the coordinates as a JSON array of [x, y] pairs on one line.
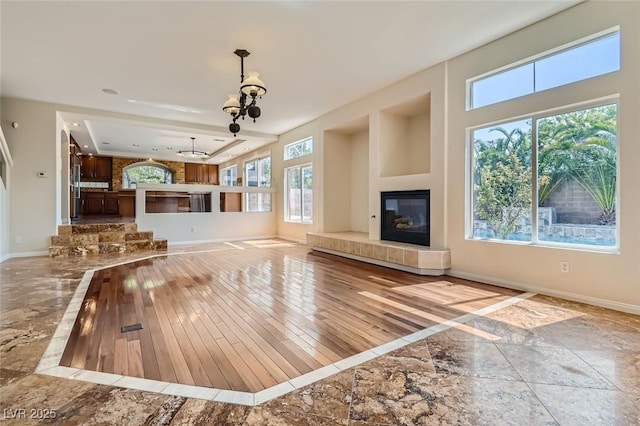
[[131, 327]]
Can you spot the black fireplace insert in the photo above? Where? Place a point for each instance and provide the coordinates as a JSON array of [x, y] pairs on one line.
[[405, 216]]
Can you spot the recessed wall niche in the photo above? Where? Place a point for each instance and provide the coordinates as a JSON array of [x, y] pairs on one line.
[[405, 138], [346, 177]]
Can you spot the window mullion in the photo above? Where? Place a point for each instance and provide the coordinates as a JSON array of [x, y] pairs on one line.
[[534, 180], [301, 193]]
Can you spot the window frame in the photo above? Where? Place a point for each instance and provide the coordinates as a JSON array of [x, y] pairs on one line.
[[300, 142], [245, 182], [531, 60], [287, 215], [222, 175], [154, 164], [535, 117]]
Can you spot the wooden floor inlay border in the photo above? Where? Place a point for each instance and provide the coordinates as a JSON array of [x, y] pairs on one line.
[[247, 325]]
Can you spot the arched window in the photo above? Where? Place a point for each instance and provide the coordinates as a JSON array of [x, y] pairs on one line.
[[146, 172]]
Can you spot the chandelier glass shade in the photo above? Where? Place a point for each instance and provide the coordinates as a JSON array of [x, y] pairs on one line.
[[193, 152], [244, 103]]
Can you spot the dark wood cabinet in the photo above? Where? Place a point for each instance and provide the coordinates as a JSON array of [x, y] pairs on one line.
[[112, 204], [96, 168], [100, 203], [191, 172], [92, 203], [212, 174], [201, 173], [127, 204]]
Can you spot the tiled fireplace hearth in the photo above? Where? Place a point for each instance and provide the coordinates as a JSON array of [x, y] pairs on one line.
[[403, 256]]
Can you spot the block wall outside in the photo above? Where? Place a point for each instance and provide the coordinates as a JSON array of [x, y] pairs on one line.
[[573, 204]]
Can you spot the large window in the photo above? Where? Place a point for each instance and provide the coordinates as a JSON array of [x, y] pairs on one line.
[[589, 59], [299, 194], [298, 149], [146, 172], [229, 176], [257, 172], [547, 179]]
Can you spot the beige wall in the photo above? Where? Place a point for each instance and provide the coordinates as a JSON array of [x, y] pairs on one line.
[[612, 279], [334, 188], [34, 201], [359, 178], [5, 190], [337, 186], [298, 231], [4, 222], [293, 231]]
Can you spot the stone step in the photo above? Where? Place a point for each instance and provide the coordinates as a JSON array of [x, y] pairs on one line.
[[96, 228], [58, 251], [102, 238], [108, 247], [80, 250], [138, 245], [133, 236], [74, 239], [160, 244], [111, 237]]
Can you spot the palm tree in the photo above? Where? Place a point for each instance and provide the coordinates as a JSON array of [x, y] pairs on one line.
[[580, 145]]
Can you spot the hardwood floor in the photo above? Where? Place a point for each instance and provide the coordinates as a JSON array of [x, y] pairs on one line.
[[247, 319]]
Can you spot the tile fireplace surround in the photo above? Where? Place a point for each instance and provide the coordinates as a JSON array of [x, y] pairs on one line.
[[406, 257]]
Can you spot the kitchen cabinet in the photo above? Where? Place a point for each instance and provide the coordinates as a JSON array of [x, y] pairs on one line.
[[95, 168], [112, 203], [128, 204], [92, 203], [201, 173], [100, 203]]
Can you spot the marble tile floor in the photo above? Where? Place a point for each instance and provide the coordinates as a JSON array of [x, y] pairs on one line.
[[541, 361]]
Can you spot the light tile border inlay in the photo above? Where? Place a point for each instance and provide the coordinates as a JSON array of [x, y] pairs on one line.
[[49, 363]]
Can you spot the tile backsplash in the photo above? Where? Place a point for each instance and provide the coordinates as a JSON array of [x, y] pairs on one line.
[[104, 185]]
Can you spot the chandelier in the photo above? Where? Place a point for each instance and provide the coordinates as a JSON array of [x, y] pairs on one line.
[[193, 152], [244, 103]]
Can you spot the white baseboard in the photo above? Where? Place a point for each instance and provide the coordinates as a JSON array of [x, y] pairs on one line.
[[610, 304], [25, 254], [293, 240], [5, 257], [220, 240]]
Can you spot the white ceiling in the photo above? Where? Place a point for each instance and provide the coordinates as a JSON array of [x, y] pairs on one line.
[[176, 61]]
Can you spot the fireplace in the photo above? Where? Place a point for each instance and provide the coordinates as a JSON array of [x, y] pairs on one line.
[[405, 216]]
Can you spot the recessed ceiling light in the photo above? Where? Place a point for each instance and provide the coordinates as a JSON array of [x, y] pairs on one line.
[[106, 143], [136, 145], [111, 91], [170, 148], [247, 148], [85, 146], [218, 140], [75, 124]]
